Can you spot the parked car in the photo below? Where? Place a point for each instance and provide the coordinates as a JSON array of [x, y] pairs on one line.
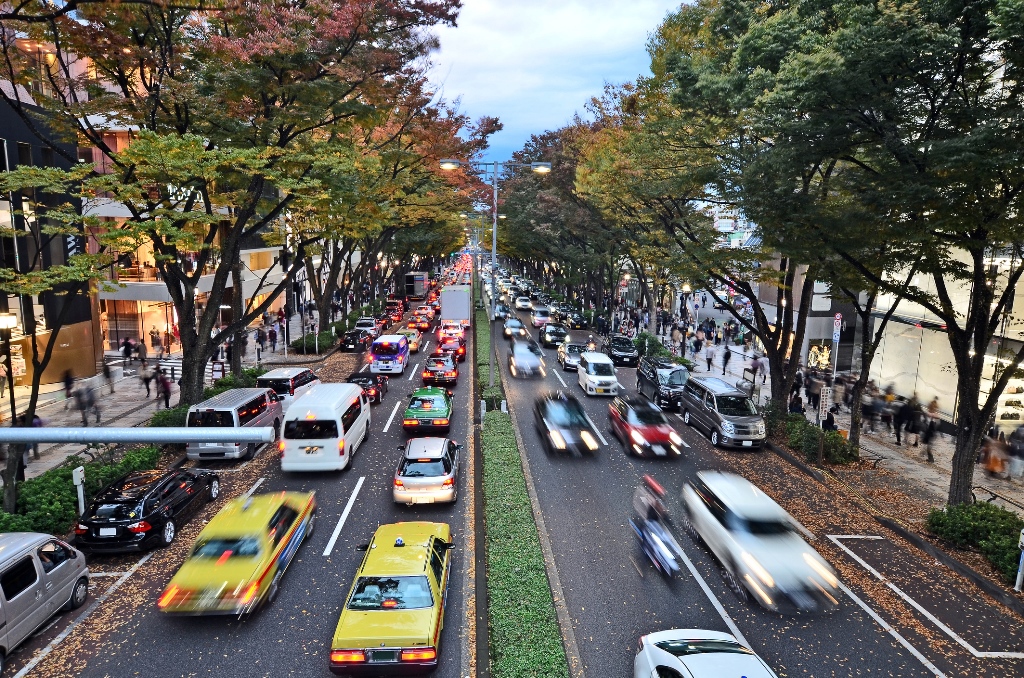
[[234, 408], [428, 472], [356, 341], [374, 385], [621, 350], [288, 383], [239, 559], [758, 544], [144, 510], [662, 381], [569, 355], [553, 334], [643, 428], [696, 653], [725, 413], [562, 424]]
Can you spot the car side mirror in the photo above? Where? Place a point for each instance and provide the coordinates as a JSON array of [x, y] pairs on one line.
[[450, 545], [400, 448], [363, 547]]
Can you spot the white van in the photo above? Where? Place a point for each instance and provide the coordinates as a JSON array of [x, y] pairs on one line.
[[288, 383], [596, 374], [234, 408], [39, 575], [389, 354], [324, 428]]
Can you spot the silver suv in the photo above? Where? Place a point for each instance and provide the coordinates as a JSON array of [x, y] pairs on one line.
[[724, 412]]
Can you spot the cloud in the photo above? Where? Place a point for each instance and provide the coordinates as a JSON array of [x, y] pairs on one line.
[[533, 63]]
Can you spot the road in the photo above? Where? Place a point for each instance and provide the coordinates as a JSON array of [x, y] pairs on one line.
[[614, 595], [290, 637]]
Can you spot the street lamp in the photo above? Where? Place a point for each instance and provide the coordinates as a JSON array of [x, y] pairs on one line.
[[495, 167], [8, 321]]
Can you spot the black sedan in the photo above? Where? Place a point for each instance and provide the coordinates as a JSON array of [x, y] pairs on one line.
[[514, 329], [621, 350], [356, 341], [453, 346], [374, 385], [562, 424], [575, 321], [440, 369], [143, 510], [553, 334]]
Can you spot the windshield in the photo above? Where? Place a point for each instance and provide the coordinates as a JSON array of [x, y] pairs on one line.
[[116, 511], [282, 386], [556, 330], [541, 312], [682, 648], [427, 403], [735, 406], [601, 369], [310, 429], [424, 468], [566, 415], [212, 419], [573, 348], [676, 377], [621, 344], [354, 335], [513, 323], [385, 348], [391, 593], [222, 548], [647, 417], [760, 527], [437, 364]]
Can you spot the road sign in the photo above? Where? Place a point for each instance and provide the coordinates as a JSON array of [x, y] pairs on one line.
[[835, 335], [825, 402]]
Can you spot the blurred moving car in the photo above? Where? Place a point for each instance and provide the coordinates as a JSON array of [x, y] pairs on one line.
[[356, 341], [430, 409], [540, 316], [525, 359], [144, 510], [553, 334], [758, 545], [621, 350], [513, 329], [374, 385], [413, 336], [239, 558], [501, 311], [368, 325], [440, 369], [643, 428], [569, 355], [662, 381], [523, 303], [562, 424], [392, 618], [696, 653], [428, 472]]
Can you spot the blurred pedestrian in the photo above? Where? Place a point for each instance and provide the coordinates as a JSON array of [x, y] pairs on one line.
[[164, 389], [272, 336], [146, 376], [1016, 442], [82, 404], [127, 349], [37, 422], [3, 380], [726, 355], [69, 383], [140, 350], [107, 376]]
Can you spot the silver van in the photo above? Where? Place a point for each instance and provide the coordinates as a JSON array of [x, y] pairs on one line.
[[234, 408], [40, 575], [725, 413], [288, 383]]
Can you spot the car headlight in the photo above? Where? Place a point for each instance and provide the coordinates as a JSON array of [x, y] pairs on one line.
[[588, 439], [637, 438], [758, 570], [675, 438], [823, 570], [760, 428], [727, 427], [556, 439]]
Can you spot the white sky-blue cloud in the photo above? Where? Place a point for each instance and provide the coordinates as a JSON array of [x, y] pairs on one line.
[[533, 63]]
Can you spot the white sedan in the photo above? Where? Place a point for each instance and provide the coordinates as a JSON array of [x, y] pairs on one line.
[[369, 325], [523, 304], [696, 653]]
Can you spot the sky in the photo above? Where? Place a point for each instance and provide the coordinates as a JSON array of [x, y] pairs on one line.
[[534, 63]]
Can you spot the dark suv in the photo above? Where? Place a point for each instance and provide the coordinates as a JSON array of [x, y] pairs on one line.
[[662, 381], [621, 350]]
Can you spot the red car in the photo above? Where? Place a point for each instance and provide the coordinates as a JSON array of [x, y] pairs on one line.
[[643, 428]]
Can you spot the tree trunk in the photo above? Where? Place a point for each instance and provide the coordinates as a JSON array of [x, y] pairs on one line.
[[14, 453], [237, 313], [970, 433], [193, 373]]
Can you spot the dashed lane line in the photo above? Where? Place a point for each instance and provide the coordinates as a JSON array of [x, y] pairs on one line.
[[344, 517], [254, 487], [415, 370], [735, 630], [392, 417], [596, 430], [559, 377], [364, 367]]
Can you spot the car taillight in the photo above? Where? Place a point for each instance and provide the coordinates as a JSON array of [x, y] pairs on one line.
[[410, 422], [167, 597], [419, 654], [249, 594], [448, 482], [372, 391], [347, 656], [426, 374], [341, 448], [280, 446], [81, 529], [440, 422], [450, 374], [139, 527], [399, 483]]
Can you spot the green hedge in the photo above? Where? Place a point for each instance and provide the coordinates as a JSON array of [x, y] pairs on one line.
[[805, 437], [307, 344], [990, 528], [49, 502], [649, 345], [525, 639], [173, 417], [493, 395]]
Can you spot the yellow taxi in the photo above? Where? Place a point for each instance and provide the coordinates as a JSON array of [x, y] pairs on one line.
[[237, 561], [392, 618], [414, 338]]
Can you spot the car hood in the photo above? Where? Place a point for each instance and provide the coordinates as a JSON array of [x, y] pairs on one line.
[[198, 574], [390, 628], [623, 350], [725, 664], [782, 556], [655, 434]]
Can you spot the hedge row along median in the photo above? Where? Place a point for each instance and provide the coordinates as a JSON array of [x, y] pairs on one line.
[[524, 636], [494, 395], [991, 529]]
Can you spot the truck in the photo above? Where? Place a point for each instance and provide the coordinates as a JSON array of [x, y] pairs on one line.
[[456, 304], [416, 285]]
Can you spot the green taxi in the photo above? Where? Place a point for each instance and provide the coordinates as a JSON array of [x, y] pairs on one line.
[[238, 559], [430, 410], [392, 618]]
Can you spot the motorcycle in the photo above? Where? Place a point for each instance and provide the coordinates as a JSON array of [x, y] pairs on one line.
[[650, 526]]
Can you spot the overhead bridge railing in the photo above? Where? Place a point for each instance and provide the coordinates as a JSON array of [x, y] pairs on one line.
[[157, 436]]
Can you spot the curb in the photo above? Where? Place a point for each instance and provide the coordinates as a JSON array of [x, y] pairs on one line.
[[812, 472], [982, 582], [482, 634]]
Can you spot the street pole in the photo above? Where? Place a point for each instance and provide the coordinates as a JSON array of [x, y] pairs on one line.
[[5, 334], [494, 266]]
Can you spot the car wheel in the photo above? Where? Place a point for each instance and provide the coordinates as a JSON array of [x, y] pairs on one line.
[[250, 452], [686, 417], [214, 490], [275, 587], [734, 583], [310, 526], [78, 597], [168, 533], [277, 430], [714, 438]]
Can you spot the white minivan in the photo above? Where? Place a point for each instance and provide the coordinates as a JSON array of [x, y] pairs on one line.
[[288, 383], [596, 374], [324, 428]]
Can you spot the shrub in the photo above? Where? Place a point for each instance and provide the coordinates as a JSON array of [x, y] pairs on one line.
[[247, 379], [175, 416], [650, 345], [988, 527], [309, 344]]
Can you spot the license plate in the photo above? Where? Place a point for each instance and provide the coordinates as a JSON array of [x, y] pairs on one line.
[[108, 531], [384, 656], [748, 443], [598, 390], [312, 450], [659, 450], [423, 500]]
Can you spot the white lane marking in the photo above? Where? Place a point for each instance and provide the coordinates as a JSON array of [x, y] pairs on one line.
[[917, 606], [735, 630], [415, 371], [426, 345], [89, 610], [594, 426], [105, 574], [364, 367], [344, 516], [392, 417], [559, 377], [253, 488]]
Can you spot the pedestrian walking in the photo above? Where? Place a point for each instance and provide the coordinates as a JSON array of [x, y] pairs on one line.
[[107, 376], [82, 404], [127, 350], [140, 350], [164, 389], [709, 354], [726, 355], [272, 336], [146, 376], [1016, 442], [69, 383], [37, 422], [3, 380]]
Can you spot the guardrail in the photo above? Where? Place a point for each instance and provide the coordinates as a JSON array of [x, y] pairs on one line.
[[160, 436], [992, 496]]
